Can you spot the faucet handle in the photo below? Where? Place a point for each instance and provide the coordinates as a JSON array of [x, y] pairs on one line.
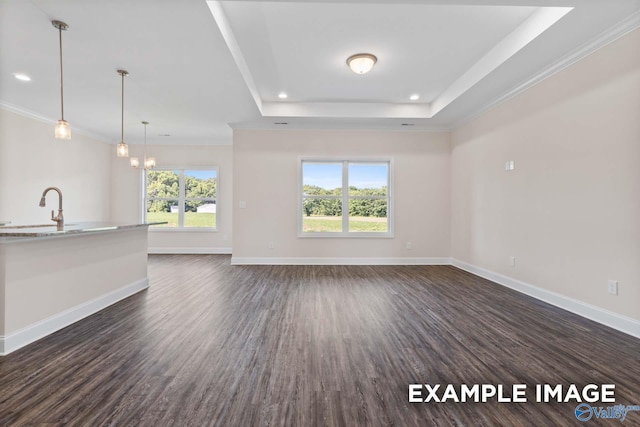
[[53, 218]]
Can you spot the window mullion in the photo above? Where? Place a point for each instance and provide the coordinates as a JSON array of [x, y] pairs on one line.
[[345, 197], [181, 199], [145, 200]]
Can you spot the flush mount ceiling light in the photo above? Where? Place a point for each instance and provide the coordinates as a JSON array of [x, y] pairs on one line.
[[147, 162], [123, 149], [62, 129], [361, 63], [282, 95], [22, 77], [414, 97]]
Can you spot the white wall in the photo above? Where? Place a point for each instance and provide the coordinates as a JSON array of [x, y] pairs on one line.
[[570, 212], [126, 196], [31, 159], [266, 178]]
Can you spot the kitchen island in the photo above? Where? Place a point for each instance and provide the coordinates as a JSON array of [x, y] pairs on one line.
[[50, 279]]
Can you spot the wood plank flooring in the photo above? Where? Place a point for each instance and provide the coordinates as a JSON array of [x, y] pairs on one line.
[[215, 344]]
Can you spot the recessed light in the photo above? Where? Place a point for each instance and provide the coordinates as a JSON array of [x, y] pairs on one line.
[[22, 77], [414, 97], [282, 95], [280, 123], [407, 124]]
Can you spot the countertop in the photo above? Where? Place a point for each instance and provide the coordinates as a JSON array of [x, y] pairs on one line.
[[19, 232]]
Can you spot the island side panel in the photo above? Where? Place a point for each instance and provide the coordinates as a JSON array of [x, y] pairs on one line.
[[49, 279], [2, 292]]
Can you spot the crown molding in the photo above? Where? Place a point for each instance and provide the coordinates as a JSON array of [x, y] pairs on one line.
[[629, 24], [380, 127], [43, 119]]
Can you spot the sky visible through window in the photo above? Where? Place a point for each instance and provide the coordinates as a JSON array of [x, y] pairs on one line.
[[200, 174], [361, 175]]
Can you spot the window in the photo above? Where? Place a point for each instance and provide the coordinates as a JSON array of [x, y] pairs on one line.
[[185, 199], [345, 198]]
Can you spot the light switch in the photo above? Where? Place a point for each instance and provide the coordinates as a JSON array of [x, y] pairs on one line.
[[510, 165]]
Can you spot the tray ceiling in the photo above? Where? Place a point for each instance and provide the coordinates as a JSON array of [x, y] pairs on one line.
[[199, 69]]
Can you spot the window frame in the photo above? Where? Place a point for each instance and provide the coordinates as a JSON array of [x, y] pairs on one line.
[[182, 198], [345, 197]]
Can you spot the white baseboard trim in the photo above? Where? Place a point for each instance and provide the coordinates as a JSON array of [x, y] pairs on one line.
[[190, 251], [42, 328], [617, 321], [338, 261]]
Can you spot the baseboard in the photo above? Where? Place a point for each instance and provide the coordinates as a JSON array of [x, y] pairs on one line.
[[61, 320], [190, 251], [338, 261], [617, 321]]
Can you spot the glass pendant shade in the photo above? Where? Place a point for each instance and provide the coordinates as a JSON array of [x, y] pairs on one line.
[[149, 163], [62, 130], [123, 149]]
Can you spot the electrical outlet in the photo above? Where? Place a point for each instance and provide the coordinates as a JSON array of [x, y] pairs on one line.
[[612, 287], [409, 245], [272, 245], [242, 204], [512, 261], [509, 165]]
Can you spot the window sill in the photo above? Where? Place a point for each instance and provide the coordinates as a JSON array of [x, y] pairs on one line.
[[345, 235], [183, 230]]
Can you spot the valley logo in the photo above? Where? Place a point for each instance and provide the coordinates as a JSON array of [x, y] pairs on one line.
[[584, 411]]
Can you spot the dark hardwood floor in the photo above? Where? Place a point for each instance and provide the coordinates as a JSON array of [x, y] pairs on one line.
[[214, 344]]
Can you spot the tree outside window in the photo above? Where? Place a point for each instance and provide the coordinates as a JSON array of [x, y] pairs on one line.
[[183, 198], [345, 198]]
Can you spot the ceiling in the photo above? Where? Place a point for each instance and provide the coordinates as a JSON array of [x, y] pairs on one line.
[[200, 68]]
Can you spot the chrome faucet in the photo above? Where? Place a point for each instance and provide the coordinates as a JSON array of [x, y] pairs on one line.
[[59, 220]]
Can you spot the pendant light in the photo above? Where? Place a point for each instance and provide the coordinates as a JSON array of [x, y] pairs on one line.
[[148, 163], [122, 149], [62, 129]]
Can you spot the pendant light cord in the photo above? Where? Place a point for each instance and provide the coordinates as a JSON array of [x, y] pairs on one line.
[[145, 144], [61, 77], [122, 117]]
